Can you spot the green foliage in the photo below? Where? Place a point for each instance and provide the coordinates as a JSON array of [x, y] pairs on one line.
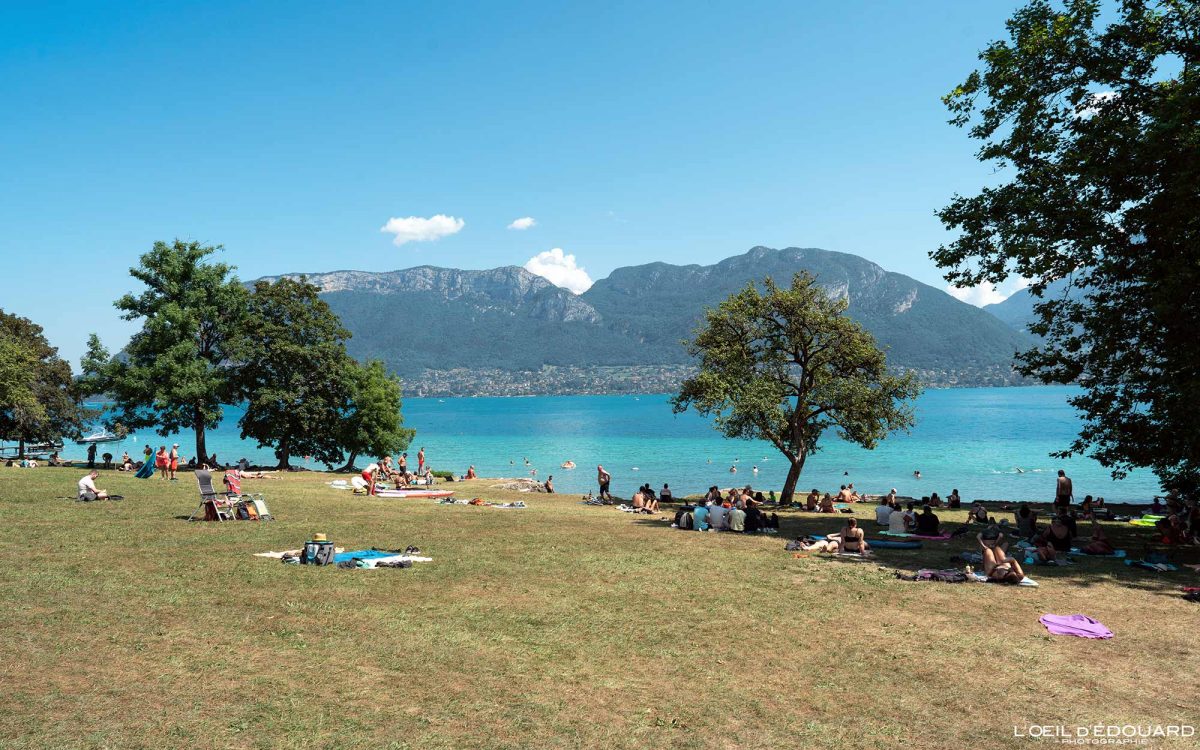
[[373, 424], [294, 373], [175, 373], [1098, 130], [38, 398], [787, 365]]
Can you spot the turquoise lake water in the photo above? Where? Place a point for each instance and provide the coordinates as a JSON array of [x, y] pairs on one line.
[[973, 439]]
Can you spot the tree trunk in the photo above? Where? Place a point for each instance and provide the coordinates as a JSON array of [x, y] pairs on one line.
[[284, 453], [201, 446], [789, 486], [21, 447], [349, 467]]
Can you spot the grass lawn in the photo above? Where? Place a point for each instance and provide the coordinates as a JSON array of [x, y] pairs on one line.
[[562, 625]]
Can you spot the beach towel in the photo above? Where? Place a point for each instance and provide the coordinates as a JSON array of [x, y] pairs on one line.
[[388, 561], [1081, 626], [146, 471], [294, 552], [940, 537], [947, 575], [981, 578], [901, 534], [1116, 553], [1156, 567]]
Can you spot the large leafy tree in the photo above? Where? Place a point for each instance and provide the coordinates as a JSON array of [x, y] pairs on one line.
[[1094, 131], [373, 424], [785, 365], [294, 373], [39, 401], [176, 371]]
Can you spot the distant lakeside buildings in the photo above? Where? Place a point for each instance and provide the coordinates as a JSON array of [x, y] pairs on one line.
[[644, 379]]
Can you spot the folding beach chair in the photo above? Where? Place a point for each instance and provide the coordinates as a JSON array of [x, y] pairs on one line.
[[248, 506], [215, 506]]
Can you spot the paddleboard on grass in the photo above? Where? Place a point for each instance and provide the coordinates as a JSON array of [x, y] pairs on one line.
[[893, 544], [413, 493]]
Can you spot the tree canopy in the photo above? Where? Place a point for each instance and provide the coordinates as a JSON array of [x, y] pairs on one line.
[[38, 398], [785, 365], [293, 372], [176, 371], [373, 424], [1094, 131]]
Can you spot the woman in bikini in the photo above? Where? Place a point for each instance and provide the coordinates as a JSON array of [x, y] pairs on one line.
[[854, 539], [1099, 545], [997, 565]]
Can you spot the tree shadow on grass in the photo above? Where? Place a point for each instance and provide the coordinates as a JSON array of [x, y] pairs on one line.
[[1085, 571]]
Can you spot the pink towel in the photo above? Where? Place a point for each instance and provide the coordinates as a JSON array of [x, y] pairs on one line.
[[1079, 625]]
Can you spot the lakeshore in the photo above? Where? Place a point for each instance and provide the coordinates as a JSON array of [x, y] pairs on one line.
[[990, 443]]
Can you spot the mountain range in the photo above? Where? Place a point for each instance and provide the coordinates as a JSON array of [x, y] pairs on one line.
[[427, 320]]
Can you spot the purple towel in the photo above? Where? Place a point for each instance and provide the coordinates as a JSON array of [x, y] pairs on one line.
[[1080, 625]]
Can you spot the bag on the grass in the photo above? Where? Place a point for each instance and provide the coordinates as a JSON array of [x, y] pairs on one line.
[[317, 553]]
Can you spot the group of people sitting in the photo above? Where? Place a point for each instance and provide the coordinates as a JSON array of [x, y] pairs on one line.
[[738, 511], [902, 518], [1180, 522]]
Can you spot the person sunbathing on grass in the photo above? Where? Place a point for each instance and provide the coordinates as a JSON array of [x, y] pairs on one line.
[[999, 567], [1099, 545]]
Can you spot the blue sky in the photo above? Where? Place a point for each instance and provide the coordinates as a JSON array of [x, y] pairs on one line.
[[291, 133]]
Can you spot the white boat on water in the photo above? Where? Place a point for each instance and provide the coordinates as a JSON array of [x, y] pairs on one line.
[[103, 436]]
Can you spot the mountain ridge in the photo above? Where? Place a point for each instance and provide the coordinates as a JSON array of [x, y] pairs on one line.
[[429, 319]]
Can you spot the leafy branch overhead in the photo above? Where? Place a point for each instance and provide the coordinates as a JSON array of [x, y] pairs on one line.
[[1097, 132], [786, 365]]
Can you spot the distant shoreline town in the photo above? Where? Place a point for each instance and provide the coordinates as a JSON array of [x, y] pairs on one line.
[[635, 380]]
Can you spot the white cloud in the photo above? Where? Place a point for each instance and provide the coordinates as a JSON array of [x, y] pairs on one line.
[[1092, 105], [525, 222], [418, 229], [560, 269], [988, 294]]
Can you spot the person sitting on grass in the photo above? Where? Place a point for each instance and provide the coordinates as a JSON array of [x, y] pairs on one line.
[[1054, 541], [813, 502], [954, 500], [883, 511], [471, 473], [979, 513], [700, 517], [897, 520], [928, 524], [87, 488], [827, 504], [1026, 518], [1099, 544], [737, 519], [853, 539], [718, 517], [935, 501]]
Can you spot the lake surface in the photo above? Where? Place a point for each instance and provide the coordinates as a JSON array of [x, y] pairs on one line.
[[992, 443]]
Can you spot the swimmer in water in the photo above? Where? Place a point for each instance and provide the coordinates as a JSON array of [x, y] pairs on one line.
[[916, 474], [755, 469], [733, 470]]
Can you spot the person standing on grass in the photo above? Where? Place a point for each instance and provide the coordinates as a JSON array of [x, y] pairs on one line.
[[403, 464], [91, 454], [161, 462], [421, 462], [174, 460], [604, 479], [1064, 491]]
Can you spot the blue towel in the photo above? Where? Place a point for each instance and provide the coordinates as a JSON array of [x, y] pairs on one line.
[[362, 554]]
